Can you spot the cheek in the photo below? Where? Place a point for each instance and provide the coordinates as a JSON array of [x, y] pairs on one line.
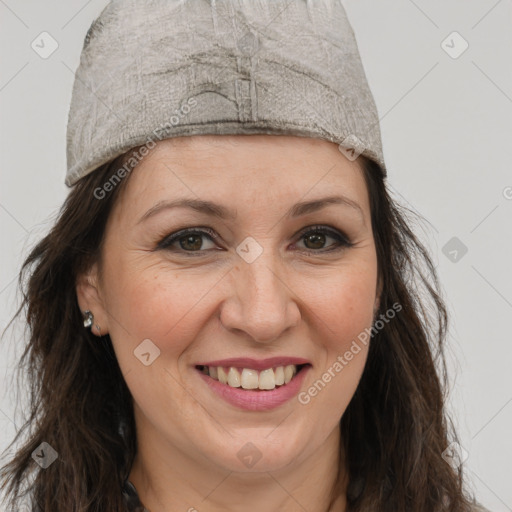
[[170, 306], [343, 316], [157, 303], [343, 303]]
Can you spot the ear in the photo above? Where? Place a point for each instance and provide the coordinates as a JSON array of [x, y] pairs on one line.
[[89, 295]]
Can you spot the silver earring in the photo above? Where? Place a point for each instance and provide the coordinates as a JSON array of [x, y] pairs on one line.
[[88, 319]]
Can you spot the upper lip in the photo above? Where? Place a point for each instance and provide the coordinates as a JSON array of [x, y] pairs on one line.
[[256, 364]]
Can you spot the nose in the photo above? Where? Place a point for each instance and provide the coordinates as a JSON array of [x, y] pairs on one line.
[[261, 303]]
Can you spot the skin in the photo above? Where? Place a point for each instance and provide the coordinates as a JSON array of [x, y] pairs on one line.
[[287, 302]]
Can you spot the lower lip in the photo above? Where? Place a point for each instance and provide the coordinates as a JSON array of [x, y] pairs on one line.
[[256, 400]]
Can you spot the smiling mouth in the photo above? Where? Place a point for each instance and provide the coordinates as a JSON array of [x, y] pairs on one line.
[[250, 379]]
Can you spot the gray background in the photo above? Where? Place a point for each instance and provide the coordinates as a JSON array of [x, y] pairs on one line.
[[446, 124]]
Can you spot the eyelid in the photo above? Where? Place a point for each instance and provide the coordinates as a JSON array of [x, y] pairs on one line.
[[169, 239], [336, 233], [342, 239]]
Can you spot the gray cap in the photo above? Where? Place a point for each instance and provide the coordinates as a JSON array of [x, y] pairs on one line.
[[155, 69]]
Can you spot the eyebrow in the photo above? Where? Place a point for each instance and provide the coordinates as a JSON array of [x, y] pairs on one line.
[[221, 212]]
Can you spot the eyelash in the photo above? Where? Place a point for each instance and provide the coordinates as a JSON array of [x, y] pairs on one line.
[[342, 241]]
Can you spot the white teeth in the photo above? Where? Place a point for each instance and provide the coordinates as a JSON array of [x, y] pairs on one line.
[[279, 375], [234, 378], [222, 375], [289, 372], [267, 379], [248, 378]]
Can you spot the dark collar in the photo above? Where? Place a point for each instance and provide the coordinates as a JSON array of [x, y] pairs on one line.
[[131, 498]]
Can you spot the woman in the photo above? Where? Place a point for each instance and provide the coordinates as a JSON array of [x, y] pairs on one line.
[[230, 312]]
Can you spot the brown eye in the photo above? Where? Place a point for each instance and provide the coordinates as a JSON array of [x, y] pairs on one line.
[[316, 238], [189, 240]]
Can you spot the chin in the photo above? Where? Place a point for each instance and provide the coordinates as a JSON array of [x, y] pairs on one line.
[[258, 450]]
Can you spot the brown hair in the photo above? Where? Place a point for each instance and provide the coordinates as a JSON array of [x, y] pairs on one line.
[[394, 430]]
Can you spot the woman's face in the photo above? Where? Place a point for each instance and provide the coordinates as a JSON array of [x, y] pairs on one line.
[[258, 282]]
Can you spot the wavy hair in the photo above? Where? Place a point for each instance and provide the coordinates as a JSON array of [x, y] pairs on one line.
[[394, 430]]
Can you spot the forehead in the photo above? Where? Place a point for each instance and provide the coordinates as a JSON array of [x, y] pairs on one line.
[[244, 169]]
